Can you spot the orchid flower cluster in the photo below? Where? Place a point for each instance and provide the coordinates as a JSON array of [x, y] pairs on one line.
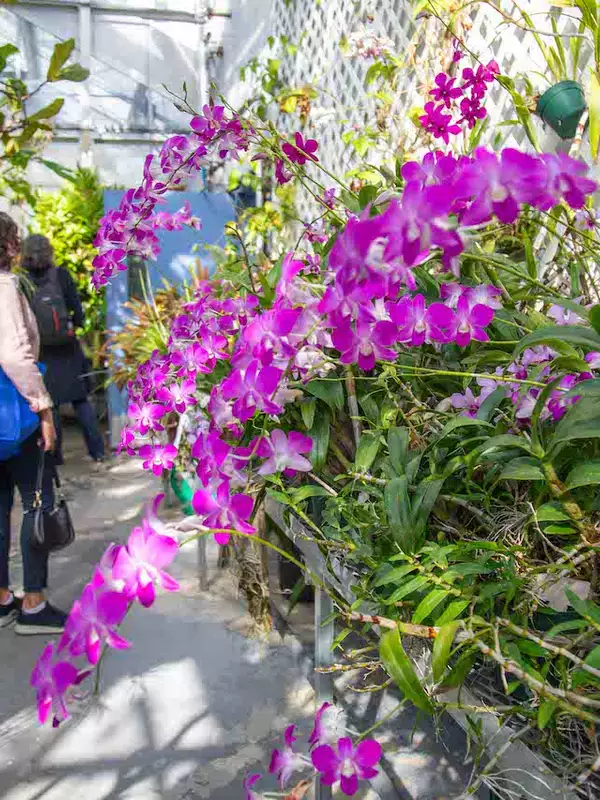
[[446, 94], [362, 302], [365, 44], [356, 302], [125, 575], [176, 221], [333, 759], [130, 228], [524, 401]]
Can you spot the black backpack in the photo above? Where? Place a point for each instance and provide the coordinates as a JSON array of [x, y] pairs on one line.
[[48, 303]]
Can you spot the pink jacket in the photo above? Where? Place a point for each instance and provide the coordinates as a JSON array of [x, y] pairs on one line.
[[20, 344]]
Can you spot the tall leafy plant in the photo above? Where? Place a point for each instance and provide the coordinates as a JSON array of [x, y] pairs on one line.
[[24, 133], [70, 219]]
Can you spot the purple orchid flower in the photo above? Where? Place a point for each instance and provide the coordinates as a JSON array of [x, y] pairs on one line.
[[347, 764], [328, 198], [284, 762], [484, 294], [315, 232], [304, 150], [253, 389], [210, 451], [472, 111], [93, 620], [490, 384], [140, 564], [420, 222], [445, 91], [558, 403], [537, 355], [467, 402], [477, 81], [469, 322], [221, 413], [418, 324], [436, 168], [329, 726], [178, 396], [224, 511], [282, 173], [566, 180], [451, 293], [457, 53], [158, 457], [265, 337], [248, 784], [127, 443], [317, 731], [526, 404], [498, 185], [438, 124], [284, 453], [145, 416], [51, 678], [365, 341], [564, 316], [593, 359], [191, 360]]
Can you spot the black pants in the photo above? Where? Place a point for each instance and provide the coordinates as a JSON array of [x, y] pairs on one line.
[[88, 422], [21, 471]]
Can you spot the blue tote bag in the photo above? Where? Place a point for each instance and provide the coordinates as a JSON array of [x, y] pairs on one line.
[[17, 420]]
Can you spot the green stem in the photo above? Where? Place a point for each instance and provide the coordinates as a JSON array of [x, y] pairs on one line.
[[498, 378]]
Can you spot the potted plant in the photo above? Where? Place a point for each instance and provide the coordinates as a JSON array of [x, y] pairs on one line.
[[561, 107]]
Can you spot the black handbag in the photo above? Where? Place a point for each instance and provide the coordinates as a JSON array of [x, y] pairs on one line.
[[51, 530]]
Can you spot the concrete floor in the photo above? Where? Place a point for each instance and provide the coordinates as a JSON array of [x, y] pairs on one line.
[[195, 704], [183, 714]]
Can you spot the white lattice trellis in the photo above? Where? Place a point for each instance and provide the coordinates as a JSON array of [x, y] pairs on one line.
[[344, 102]]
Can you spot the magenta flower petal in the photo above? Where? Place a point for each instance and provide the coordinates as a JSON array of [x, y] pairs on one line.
[[349, 784], [324, 758], [268, 379], [299, 442], [147, 594], [112, 607], [242, 505], [368, 753], [482, 315], [203, 503], [64, 675], [161, 550], [168, 582]]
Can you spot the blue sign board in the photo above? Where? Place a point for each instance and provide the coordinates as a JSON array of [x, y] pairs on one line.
[[180, 250]]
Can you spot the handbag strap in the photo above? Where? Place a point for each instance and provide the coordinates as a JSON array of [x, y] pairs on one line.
[[55, 476], [39, 483]]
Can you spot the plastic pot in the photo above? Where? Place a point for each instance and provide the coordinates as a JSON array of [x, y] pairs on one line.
[[561, 108], [182, 491]]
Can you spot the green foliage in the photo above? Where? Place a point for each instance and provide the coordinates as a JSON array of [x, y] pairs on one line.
[[70, 219], [23, 135]]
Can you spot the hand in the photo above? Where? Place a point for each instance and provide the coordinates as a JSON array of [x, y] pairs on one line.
[[48, 430]]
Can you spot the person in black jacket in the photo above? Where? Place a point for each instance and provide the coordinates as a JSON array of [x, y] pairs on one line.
[[66, 365]]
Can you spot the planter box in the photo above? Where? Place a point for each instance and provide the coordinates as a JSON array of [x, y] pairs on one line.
[[518, 762]]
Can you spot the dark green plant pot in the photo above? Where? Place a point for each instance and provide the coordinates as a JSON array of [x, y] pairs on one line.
[[183, 492], [561, 108]]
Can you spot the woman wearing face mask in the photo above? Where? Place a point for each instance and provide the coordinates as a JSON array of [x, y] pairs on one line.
[[19, 351]]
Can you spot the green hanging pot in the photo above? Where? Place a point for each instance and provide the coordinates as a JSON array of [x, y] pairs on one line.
[[561, 108], [183, 492]]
